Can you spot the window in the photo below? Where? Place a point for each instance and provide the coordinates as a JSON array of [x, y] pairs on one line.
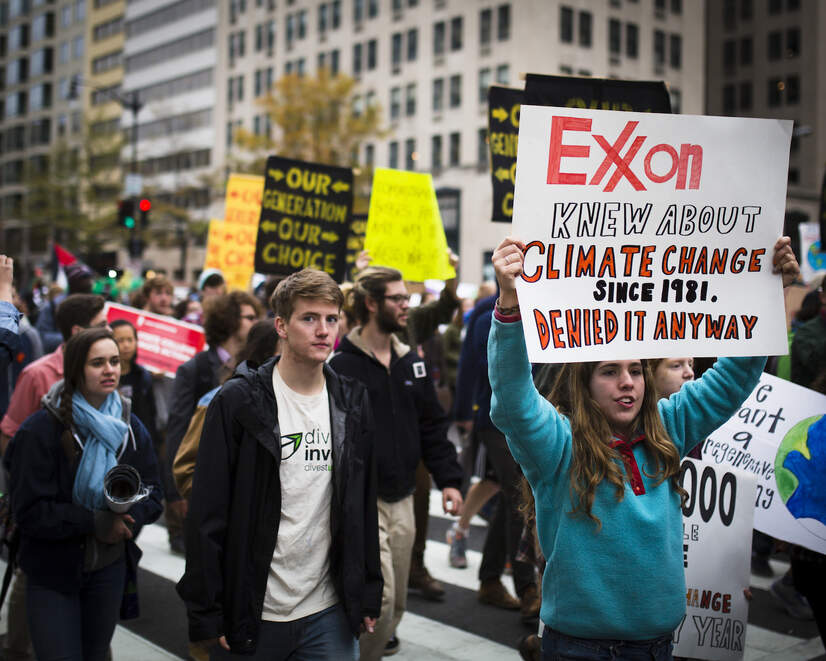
[[729, 55], [746, 9], [107, 29], [614, 36], [746, 51], [40, 97], [393, 155], [676, 43], [676, 6], [503, 75], [438, 94], [456, 33], [358, 11], [454, 149], [336, 11], [334, 61], [436, 153], [372, 8], [322, 17], [659, 48], [410, 100], [484, 84], [42, 27], [503, 23], [728, 99], [632, 40], [80, 10], [676, 100], [482, 147], [775, 91], [396, 52], [566, 25], [410, 154], [746, 100], [302, 24], [792, 5], [485, 26], [792, 89], [63, 52], [455, 91], [729, 14], [107, 62], [585, 28], [65, 16], [395, 102], [41, 62], [775, 46], [412, 45], [439, 38], [775, 6], [369, 155], [372, 51], [792, 42], [356, 59]]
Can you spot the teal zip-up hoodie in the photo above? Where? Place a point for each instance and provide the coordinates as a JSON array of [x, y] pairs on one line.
[[624, 581]]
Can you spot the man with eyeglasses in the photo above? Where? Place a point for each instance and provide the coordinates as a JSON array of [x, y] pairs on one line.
[[227, 321], [76, 312], [410, 425]]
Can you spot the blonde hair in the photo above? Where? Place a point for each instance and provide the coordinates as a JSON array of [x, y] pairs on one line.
[[593, 459]]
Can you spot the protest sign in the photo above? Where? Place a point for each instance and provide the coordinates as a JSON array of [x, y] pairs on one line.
[[645, 234], [404, 226], [717, 523], [231, 248], [561, 91], [164, 343], [779, 435], [812, 258], [305, 216], [355, 239], [243, 200]]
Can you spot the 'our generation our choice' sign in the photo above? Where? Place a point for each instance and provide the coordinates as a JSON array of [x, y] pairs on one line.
[[649, 235]]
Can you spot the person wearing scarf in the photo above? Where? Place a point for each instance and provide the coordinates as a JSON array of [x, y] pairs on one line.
[[76, 554]]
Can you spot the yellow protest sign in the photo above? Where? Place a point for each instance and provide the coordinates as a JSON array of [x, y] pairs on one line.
[[243, 201], [228, 249], [404, 226]]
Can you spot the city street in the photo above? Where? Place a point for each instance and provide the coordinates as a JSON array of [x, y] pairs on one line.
[[456, 629]]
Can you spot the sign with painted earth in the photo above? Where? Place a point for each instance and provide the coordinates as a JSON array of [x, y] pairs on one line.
[[799, 468]]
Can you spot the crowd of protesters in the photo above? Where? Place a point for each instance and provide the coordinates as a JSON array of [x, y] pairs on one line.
[[293, 461]]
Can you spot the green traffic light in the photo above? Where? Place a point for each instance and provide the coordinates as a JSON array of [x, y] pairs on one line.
[[129, 222]]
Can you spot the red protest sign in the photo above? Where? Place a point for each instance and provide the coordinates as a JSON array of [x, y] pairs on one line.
[[164, 343]]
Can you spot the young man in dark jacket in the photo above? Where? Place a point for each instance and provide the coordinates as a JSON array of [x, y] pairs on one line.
[[410, 425], [282, 532]]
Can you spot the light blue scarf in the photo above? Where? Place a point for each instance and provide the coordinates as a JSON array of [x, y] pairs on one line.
[[103, 432]]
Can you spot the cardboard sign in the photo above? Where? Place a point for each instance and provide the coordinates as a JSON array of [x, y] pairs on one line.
[[404, 226], [305, 216], [562, 91], [164, 343], [779, 436], [649, 235], [717, 523]]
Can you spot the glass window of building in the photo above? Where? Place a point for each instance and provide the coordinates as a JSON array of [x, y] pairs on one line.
[[455, 91], [586, 21], [410, 154], [412, 44], [566, 25], [436, 153], [439, 38], [454, 149], [456, 33], [485, 26], [438, 94], [484, 84], [393, 155], [395, 102], [410, 99], [503, 22]]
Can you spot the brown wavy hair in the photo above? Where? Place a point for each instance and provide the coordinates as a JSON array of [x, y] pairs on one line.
[[593, 459]]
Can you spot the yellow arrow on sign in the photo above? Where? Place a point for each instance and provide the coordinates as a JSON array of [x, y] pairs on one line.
[[329, 237], [499, 114], [340, 186], [276, 174], [502, 174], [269, 226]]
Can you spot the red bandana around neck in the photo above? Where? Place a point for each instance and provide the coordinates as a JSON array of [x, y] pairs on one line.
[[624, 446]]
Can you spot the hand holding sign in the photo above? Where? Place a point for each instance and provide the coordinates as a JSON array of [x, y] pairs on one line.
[[508, 259], [785, 262]]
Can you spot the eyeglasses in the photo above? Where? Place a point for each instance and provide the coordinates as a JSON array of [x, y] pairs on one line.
[[398, 298]]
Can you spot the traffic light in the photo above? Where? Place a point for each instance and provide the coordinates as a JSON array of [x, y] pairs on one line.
[[145, 206], [126, 213]]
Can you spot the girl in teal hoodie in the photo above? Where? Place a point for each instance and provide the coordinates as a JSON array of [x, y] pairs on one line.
[[603, 462]]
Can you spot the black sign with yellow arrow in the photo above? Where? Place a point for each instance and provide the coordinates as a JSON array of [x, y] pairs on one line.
[[306, 212], [562, 91]]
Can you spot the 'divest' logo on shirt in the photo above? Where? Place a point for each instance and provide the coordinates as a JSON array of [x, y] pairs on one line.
[[317, 451]]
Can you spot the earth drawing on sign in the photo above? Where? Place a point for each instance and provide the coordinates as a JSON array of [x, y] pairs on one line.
[[800, 465]]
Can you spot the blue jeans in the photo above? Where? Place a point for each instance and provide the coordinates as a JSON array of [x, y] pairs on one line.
[[76, 626], [318, 637], [559, 647]]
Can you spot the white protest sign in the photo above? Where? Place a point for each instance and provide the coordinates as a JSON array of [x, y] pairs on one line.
[[812, 258], [649, 235], [717, 523], [779, 435]]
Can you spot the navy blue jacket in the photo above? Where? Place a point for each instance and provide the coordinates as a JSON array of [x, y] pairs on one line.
[[53, 529], [472, 384]]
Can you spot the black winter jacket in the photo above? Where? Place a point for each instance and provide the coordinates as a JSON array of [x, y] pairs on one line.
[[410, 423], [235, 508], [54, 530]]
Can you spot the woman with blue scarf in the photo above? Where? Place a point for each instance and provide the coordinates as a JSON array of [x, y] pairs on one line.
[[76, 553]]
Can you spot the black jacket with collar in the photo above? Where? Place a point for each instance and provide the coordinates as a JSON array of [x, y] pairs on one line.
[[235, 509], [410, 423]]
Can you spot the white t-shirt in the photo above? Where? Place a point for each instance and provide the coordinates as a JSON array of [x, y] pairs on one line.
[[299, 582]]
